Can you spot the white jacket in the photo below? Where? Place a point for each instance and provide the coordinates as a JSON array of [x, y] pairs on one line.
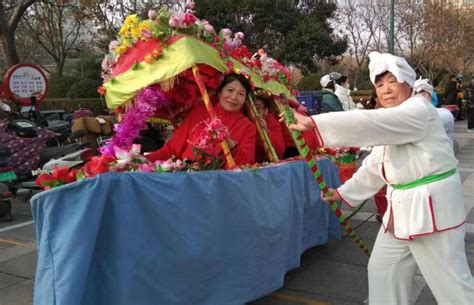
[[345, 97], [448, 122], [410, 143]]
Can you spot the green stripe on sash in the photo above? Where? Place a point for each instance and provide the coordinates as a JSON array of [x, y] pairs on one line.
[[424, 180]]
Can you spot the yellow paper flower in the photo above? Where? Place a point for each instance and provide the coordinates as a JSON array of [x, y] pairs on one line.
[[131, 20], [122, 49], [123, 31], [145, 25], [135, 33]]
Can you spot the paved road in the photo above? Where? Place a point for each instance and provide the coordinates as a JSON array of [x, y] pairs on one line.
[[330, 274]]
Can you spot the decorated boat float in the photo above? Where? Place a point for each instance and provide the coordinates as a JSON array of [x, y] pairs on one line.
[[127, 230]]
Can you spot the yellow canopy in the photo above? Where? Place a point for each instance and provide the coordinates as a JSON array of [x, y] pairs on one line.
[[179, 56]]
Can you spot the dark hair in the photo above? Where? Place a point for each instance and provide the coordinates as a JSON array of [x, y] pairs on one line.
[[380, 76], [265, 100], [342, 80], [238, 77], [372, 102], [330, 85]]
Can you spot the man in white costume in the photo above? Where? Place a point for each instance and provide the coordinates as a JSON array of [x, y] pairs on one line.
[[424, 222], [423, 88]]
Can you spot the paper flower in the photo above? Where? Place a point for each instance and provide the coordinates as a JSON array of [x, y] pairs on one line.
[[152, 14], [59, 176], [146, 103]]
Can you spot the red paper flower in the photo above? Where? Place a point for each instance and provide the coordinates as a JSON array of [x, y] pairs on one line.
[[157, 52], [149, 59], [101, 90], [97, 165], [59, 176]]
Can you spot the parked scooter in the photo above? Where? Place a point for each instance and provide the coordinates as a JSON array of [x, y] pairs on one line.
[[27, 144], [52, 120], [6, 175]]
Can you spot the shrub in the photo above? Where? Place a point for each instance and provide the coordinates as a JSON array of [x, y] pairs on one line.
[[310, 82], [70, 105], [59, 86], [86, 88]]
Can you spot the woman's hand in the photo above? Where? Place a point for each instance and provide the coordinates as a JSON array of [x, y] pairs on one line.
[[331, 196], [303, 123], [262, 122]]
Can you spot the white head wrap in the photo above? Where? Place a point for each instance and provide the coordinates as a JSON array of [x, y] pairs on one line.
[[398, 66], [423, 85], [325, 80]]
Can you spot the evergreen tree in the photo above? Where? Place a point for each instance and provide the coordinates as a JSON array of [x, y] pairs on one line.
[[295, 32]]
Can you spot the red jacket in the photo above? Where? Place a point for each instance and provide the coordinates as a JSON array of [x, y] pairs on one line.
[[276, 138], [241, 130], [309, 137]]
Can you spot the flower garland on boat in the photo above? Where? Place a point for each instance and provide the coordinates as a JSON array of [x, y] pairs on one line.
[[344, 158], [145, 104], [117, 159], [341, 154], [164, 23]]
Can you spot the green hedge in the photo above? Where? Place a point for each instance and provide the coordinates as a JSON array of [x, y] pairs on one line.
[[85, 88], [59, 86], [70, 105]]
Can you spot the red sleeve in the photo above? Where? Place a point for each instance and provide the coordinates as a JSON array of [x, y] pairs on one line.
[[311, 140], [244, 153], [179, 140], [275, 134]]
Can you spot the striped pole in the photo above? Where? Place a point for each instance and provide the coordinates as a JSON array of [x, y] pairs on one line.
[[267, 144], [212, 114], [306, 154]]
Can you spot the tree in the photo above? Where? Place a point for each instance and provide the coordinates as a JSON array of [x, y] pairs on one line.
[[55, 26], [108, 16], [10, 15], [358, 19], [295, 32]]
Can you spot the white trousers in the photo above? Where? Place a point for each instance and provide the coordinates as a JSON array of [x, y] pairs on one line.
[[441, 258]]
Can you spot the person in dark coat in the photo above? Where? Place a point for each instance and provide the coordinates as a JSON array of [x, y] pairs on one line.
[[330, 101]]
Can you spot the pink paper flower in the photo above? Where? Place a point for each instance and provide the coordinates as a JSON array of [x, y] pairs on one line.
[[239, 35], [147, 167], [105, 64], [209, 28], [175, 22], [189, 4], [226, 33], [113, 44], [152, 14], [146, 33]]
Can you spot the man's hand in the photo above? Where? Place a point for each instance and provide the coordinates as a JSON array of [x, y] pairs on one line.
[[331, 196]]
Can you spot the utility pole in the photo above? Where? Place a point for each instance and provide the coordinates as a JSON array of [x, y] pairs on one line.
[[391, 43], [82, 62]]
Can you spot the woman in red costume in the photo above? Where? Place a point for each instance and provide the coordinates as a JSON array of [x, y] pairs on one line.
[[273, 128], [231, 95]]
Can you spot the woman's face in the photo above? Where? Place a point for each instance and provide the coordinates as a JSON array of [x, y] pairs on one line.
[[346, 84], [232, 96], [260, 106], [391, 93]]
